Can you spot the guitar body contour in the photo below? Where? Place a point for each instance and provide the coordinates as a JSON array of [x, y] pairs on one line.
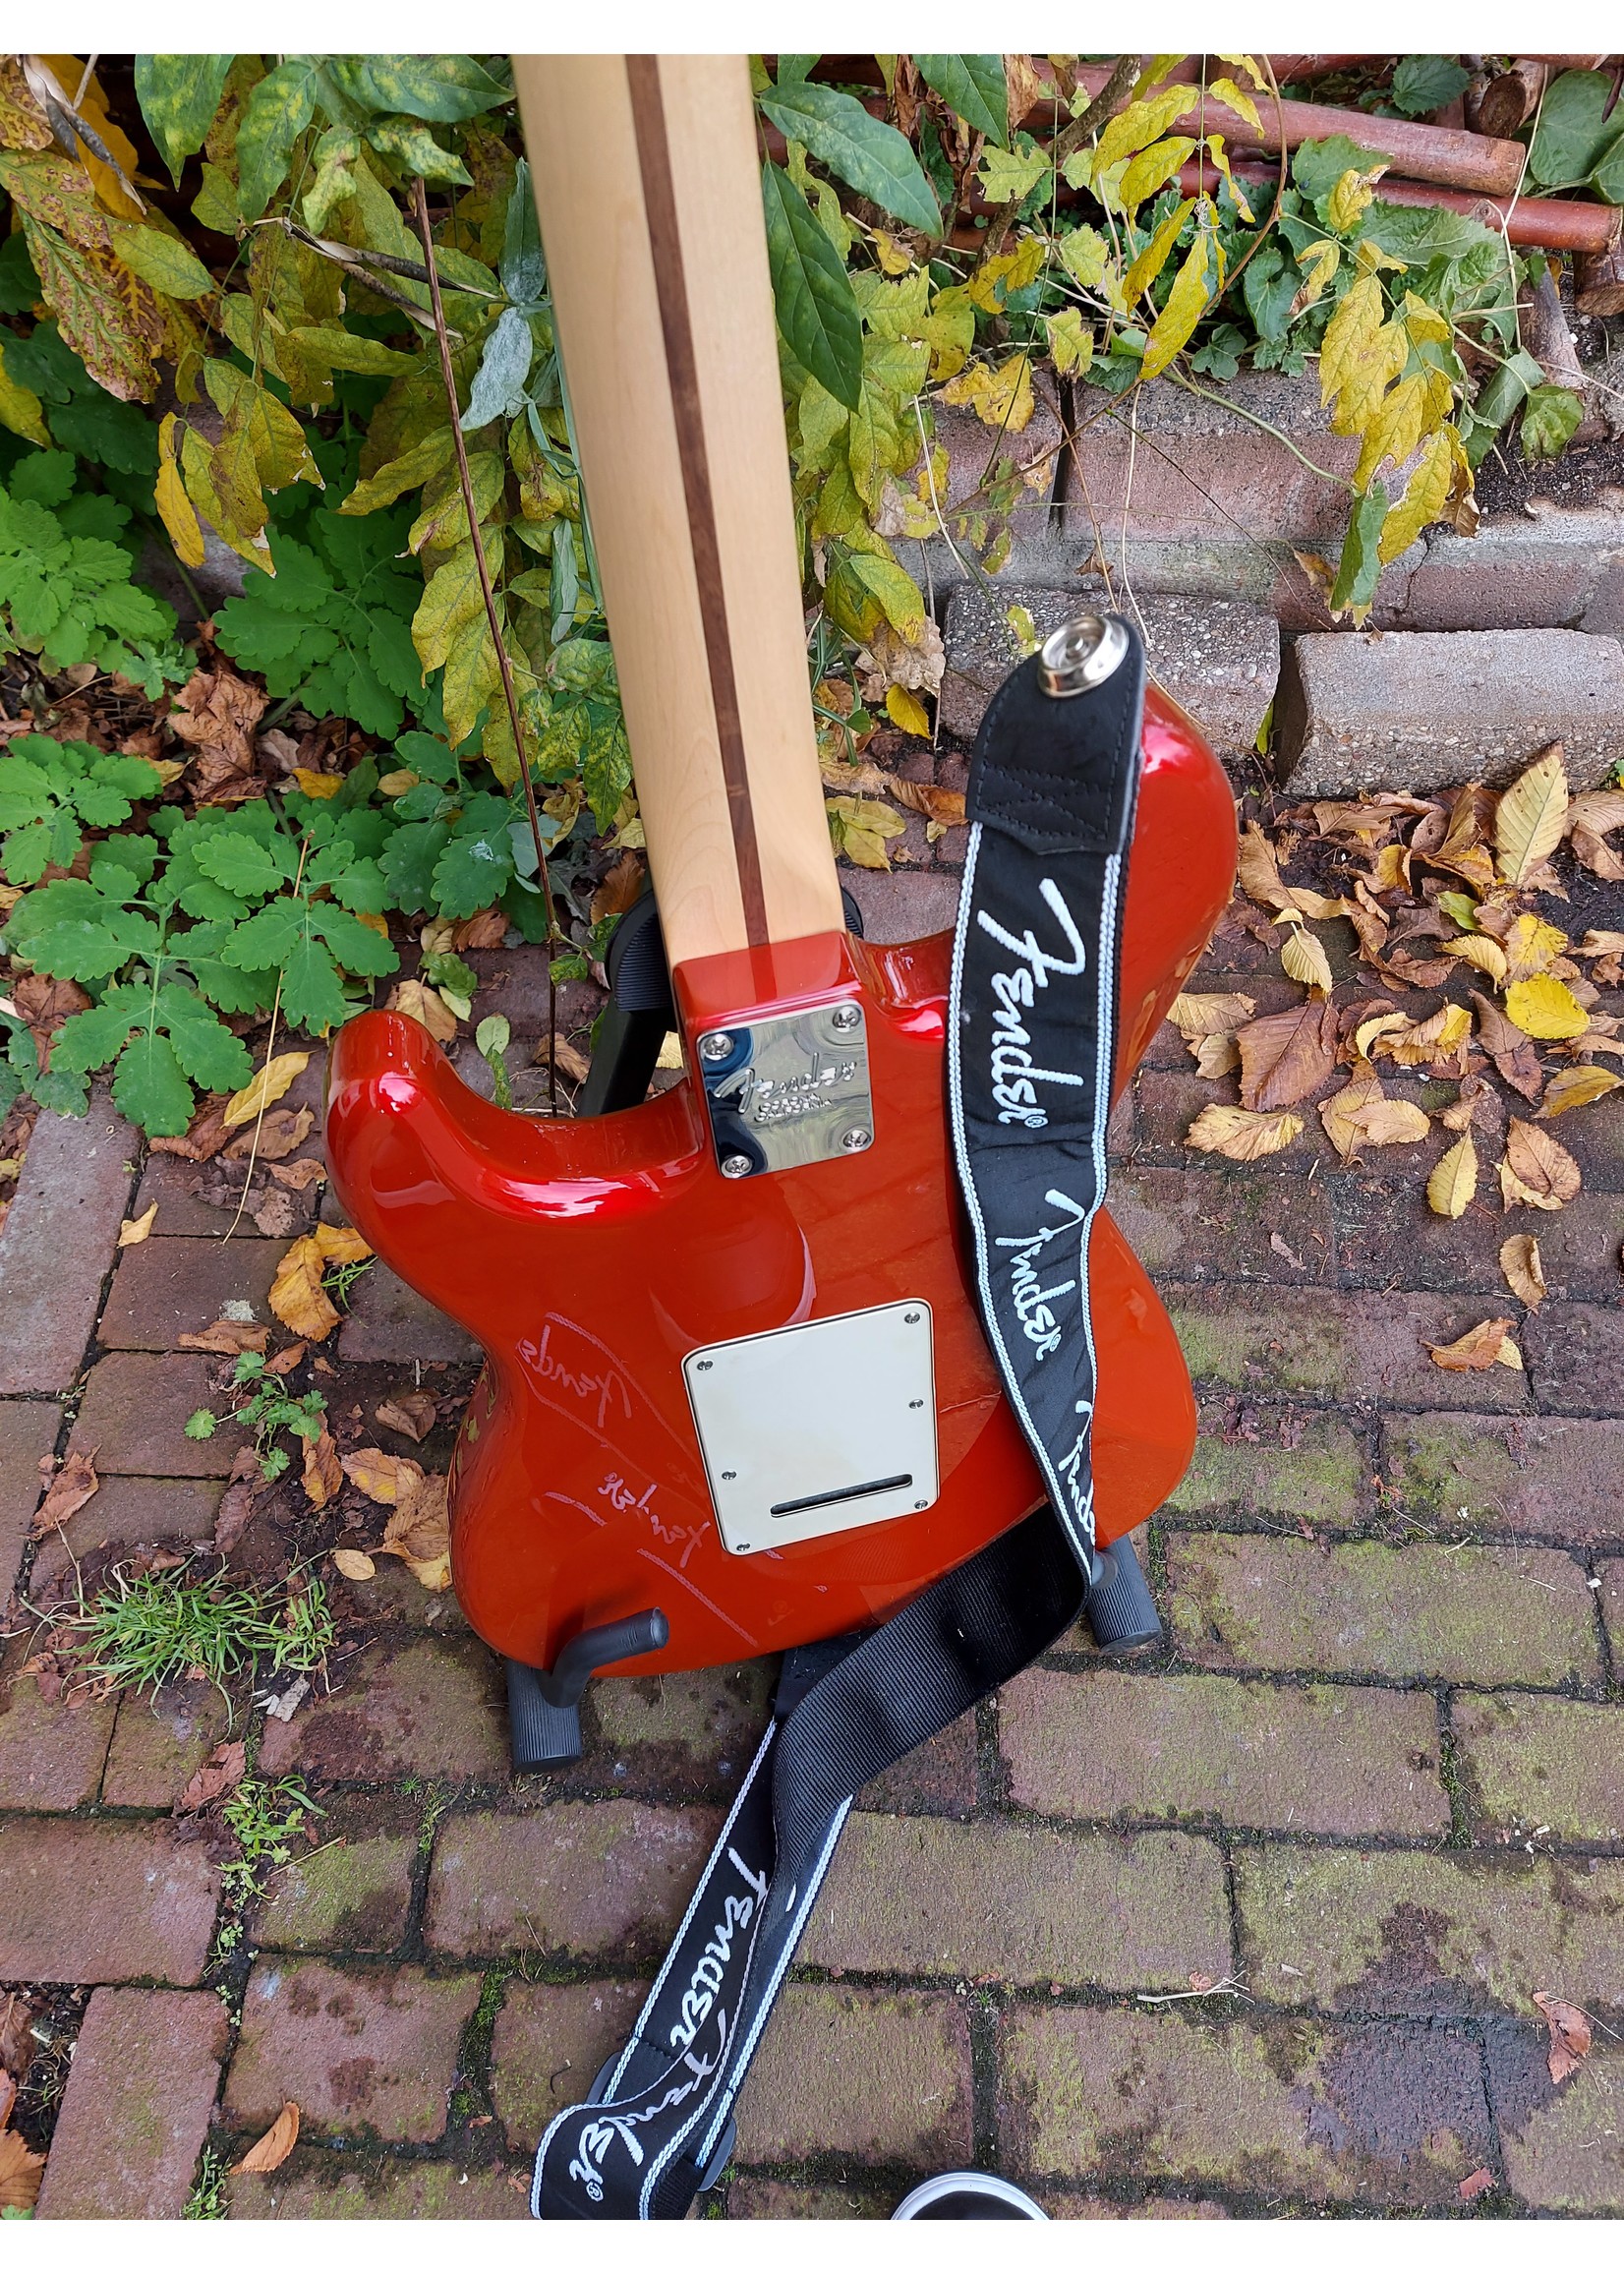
[[590, 1259]]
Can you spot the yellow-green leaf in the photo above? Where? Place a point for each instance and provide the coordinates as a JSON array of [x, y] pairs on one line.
[[1530, 817], [1193, 290], [1084, 255], [1001, 398], [1453, 1183], [1545, 1009], [1317, 265], [1225, 91], [1071, 341], [342, 350], [20, 408], [1350, 195], [266, 427], [1005, 176], [407, 472], [1576, 1085], [1220, 158], [166, 262], [1425, 496], [1149, 263], [451, 599], [908, 712], [175, 508], [1357, 357], [1153, 170], [1141, 124]]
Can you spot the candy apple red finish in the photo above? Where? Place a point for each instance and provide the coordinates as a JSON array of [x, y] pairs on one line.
[[590, 1259]]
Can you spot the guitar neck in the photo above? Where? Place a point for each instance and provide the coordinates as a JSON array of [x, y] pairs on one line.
[[650, 205]]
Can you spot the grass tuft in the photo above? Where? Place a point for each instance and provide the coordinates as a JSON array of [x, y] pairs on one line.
[[163, 1626]]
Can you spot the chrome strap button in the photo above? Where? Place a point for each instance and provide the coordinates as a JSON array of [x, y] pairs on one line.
[[1081, 654]]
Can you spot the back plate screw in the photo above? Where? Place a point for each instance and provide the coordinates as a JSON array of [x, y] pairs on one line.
[[844, 1017], [728, 1476], [735, 1165], [911, 1318], [716, 1046], [702, 1365], [856, 1141]]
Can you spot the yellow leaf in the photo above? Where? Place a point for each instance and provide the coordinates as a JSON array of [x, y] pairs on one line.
[[1241, 1135], [1247, 64], [1141, 124], [1199, 279], [1154, 257], [20, 408], [908, 712], [317, 785], [1545, 1009], [1423, 322], [353, 1565], [383, 1476], [1220, 158], [1453, 1183], [413, 1000], [1071, 341], [1153, 170], [323, 1478], [1359, 354], [893, 257], [1525, 1273], [1480, 1348], [1225, 91], [1215, 1055], [274, 1081], [1001, 398], [1259, 871], [1576, 1085], [175, 508], [1350, 195], [1084, 255], [1425, 495], [1197, 1014], [1532, 946], [1362, 1113], [1386, 1024], [1529, 820], [1319, 266], [134, 1229], [1305, 959], [1479, 948], [297, 1296], [1408, 412]]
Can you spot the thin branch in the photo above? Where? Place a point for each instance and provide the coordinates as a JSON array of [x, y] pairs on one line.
[[1112, 98], [420, 196]]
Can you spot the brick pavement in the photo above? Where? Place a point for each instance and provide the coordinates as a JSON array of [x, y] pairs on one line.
[[1252, 1928]]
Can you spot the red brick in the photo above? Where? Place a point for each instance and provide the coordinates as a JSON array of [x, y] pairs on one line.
[[1313, 1760], [1469, 1614], [136, 2114], [1373, 2114], [1260, 1461], [162, 1736], [1296, 1341], [129, 1512], [1386, 1236], [674, 1734], [1023, 1904], [1201, 1223], [1539, 1476], [351, 1892], [163, 1289], [939, 1778], [28, 1432], [373, 2052], [427, 1708], [1610, 1595], [178, 1188], [389, 1321], [60, 1236], [97, 1902], [902, 906], [880, 2076], [752, 2197], [1596, 1139], [549, 2041], [320, 2185], [1553, 1765], [134, 1413], [50, 1755], [1568, 2154], [584, 1878], [1574, 1353]]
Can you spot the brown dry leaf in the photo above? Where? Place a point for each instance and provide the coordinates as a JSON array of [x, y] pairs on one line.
[[43, 1004], [1426, 1041], [286, 1360], [273, 2151], [298, 1176], [1241, 1135], [231, 1517], [1362, 1113], [488, 929], [17, 2042], [20, 2172], [1531, 944], [1286, 1056], [1196, 1016], [216, 713], [1369, 920], [1530, 817], [1576, 1085], [274, 1081], [1515, 1059], [571, 1062], [297, 1296], [205, 1136], [1525, 1273], [1596, 943], [323, 1472], [226, 1338], [383, 1476], [280, 1132], [1390, 870], [1216, 1055], [1589, 818], [1537, 1171], [1259, 871], [134, 1229], [419, 1532], [946, 806], [619, 888], [75, 1483], [1453, 1185], [1476, 2184], [1569, 2034], [352, 1563], [413, 1413], [413, 1000], [1480, 1348], [220, 1773]]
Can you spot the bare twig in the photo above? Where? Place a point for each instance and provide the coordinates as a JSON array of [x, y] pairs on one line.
[[505, 665]]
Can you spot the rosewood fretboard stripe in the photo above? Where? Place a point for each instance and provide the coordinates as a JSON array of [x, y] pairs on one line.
[[670, 283]]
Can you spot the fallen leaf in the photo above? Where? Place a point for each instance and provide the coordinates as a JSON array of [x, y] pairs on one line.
[[286, 1360], [280, 1132], [20, 2172], [270, 2153], [419, 1532], [1259, 870], [413, 1000], [1532, 946], [352, 1563], [297, 1294], [1287, 1254], [619, 888], [220, 1773], [1241, 1135], [134, 1229], [946, 806], [316, 785], [17, 2042], [324, 1474], [1362, 1113], [1475, 2184], [231, 1517], [276, 1213], [1364, 1037], [1286, 1056], [413, 1413], [1589, 818], [226, 1338], [1303, 956], [1515, 1059], [1576, 1085], [274, 1081], [45, 1003], [1453, 1185], [381, 1476], [1480, 950], [216, 712], [1569, 2034], [1525, 1273], [1216, 1055], [565, 1057], [75, 1483], [1474, 1102], [298, 1176], [1545, 1008], [206, 1135], [1480, 1348], [1596, 943], [488, 929], [1426, 1041], [1530, 817], [1545, 1174]]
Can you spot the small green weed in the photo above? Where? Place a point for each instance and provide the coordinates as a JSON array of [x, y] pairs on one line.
[[269, 1408], [162, 1626], [264, 1818], [207, 2197], [337, 1283]]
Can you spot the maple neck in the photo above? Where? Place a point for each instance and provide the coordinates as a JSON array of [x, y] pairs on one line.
[[650, 205]]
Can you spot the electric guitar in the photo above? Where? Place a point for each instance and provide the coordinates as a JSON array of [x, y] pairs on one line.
[[736, 1394]]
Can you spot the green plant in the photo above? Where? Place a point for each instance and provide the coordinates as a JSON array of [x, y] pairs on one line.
[[264, 1818], [267, 1410], [162, 1626], [207, 2198], [67, 589]]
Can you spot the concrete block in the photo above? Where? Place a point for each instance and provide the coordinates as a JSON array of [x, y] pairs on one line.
[[1422, 710], [1218, 658]]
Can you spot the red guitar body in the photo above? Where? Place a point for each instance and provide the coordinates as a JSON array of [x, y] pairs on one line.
[[588, 1259]]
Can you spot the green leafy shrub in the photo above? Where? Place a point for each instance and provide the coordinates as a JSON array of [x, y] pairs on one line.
[[66, 588]]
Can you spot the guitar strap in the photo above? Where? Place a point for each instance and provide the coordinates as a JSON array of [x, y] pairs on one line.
[[1030, 1041]]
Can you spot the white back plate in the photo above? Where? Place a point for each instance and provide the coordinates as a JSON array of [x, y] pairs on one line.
[[817, 1429]]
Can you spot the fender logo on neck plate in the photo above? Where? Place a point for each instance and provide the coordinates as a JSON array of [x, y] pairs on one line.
[[785, 1092]]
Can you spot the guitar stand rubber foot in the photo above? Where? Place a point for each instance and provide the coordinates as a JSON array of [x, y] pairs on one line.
[[1119, 1607], [544, 1709]]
